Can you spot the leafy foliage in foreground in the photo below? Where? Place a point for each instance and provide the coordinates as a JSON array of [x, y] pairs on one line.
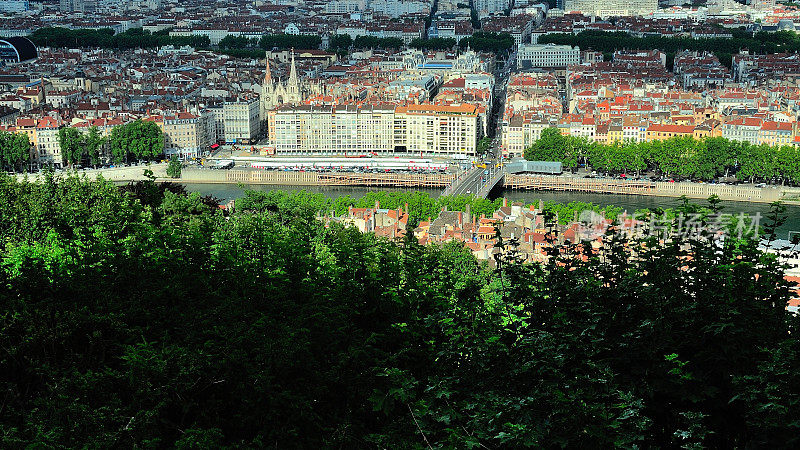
[[144, 317]]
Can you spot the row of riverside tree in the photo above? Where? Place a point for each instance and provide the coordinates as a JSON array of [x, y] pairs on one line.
[[605, 41], [140, 140], [106, 38], [679, 157], [144, 316], [78, 147], [138, 38], [488, 42]]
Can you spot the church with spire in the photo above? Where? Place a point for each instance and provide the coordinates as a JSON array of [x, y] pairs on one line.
[[291, 91]]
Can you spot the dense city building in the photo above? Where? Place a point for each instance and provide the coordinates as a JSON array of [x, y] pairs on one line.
[[391, 100]]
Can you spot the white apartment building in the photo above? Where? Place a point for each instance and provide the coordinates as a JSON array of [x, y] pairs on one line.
[[394, 8], [242, 120], [430, 129], [332, 129], [547, 56], [485, 7], [345, 6], [216, 123], [82, 6], [611, 8], [478, 81]]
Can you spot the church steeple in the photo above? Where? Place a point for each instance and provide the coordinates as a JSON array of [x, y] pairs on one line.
[[293, 72]]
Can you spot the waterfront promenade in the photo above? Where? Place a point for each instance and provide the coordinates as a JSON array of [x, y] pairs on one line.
[[121, 174], [740, 192]]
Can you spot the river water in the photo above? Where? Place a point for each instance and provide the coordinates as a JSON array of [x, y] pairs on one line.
[[630, 203]]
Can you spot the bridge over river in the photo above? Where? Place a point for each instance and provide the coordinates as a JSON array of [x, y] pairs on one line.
[[476, 181], [480, 182]]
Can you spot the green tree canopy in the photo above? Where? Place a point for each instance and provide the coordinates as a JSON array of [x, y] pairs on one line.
[[143, 316], [15, 150], [80, 147], [105, 38], [488, 42], [340, 42], [238, 42], [71, 142], [682, 157], [174, 168], [138, 139], [553, 146], [287, 41], [366, 42]]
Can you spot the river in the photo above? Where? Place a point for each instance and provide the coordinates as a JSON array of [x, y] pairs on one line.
[[630, 203]]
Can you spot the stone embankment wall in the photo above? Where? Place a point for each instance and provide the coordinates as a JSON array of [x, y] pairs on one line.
[[267, 177], [249, 177], [661, 189]]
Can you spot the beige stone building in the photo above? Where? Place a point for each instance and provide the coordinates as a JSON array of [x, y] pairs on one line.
[[185, 134], [46, 142], [437, 129]]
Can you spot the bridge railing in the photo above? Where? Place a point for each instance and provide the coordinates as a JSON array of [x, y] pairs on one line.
[[460, 178], [494, 177]]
